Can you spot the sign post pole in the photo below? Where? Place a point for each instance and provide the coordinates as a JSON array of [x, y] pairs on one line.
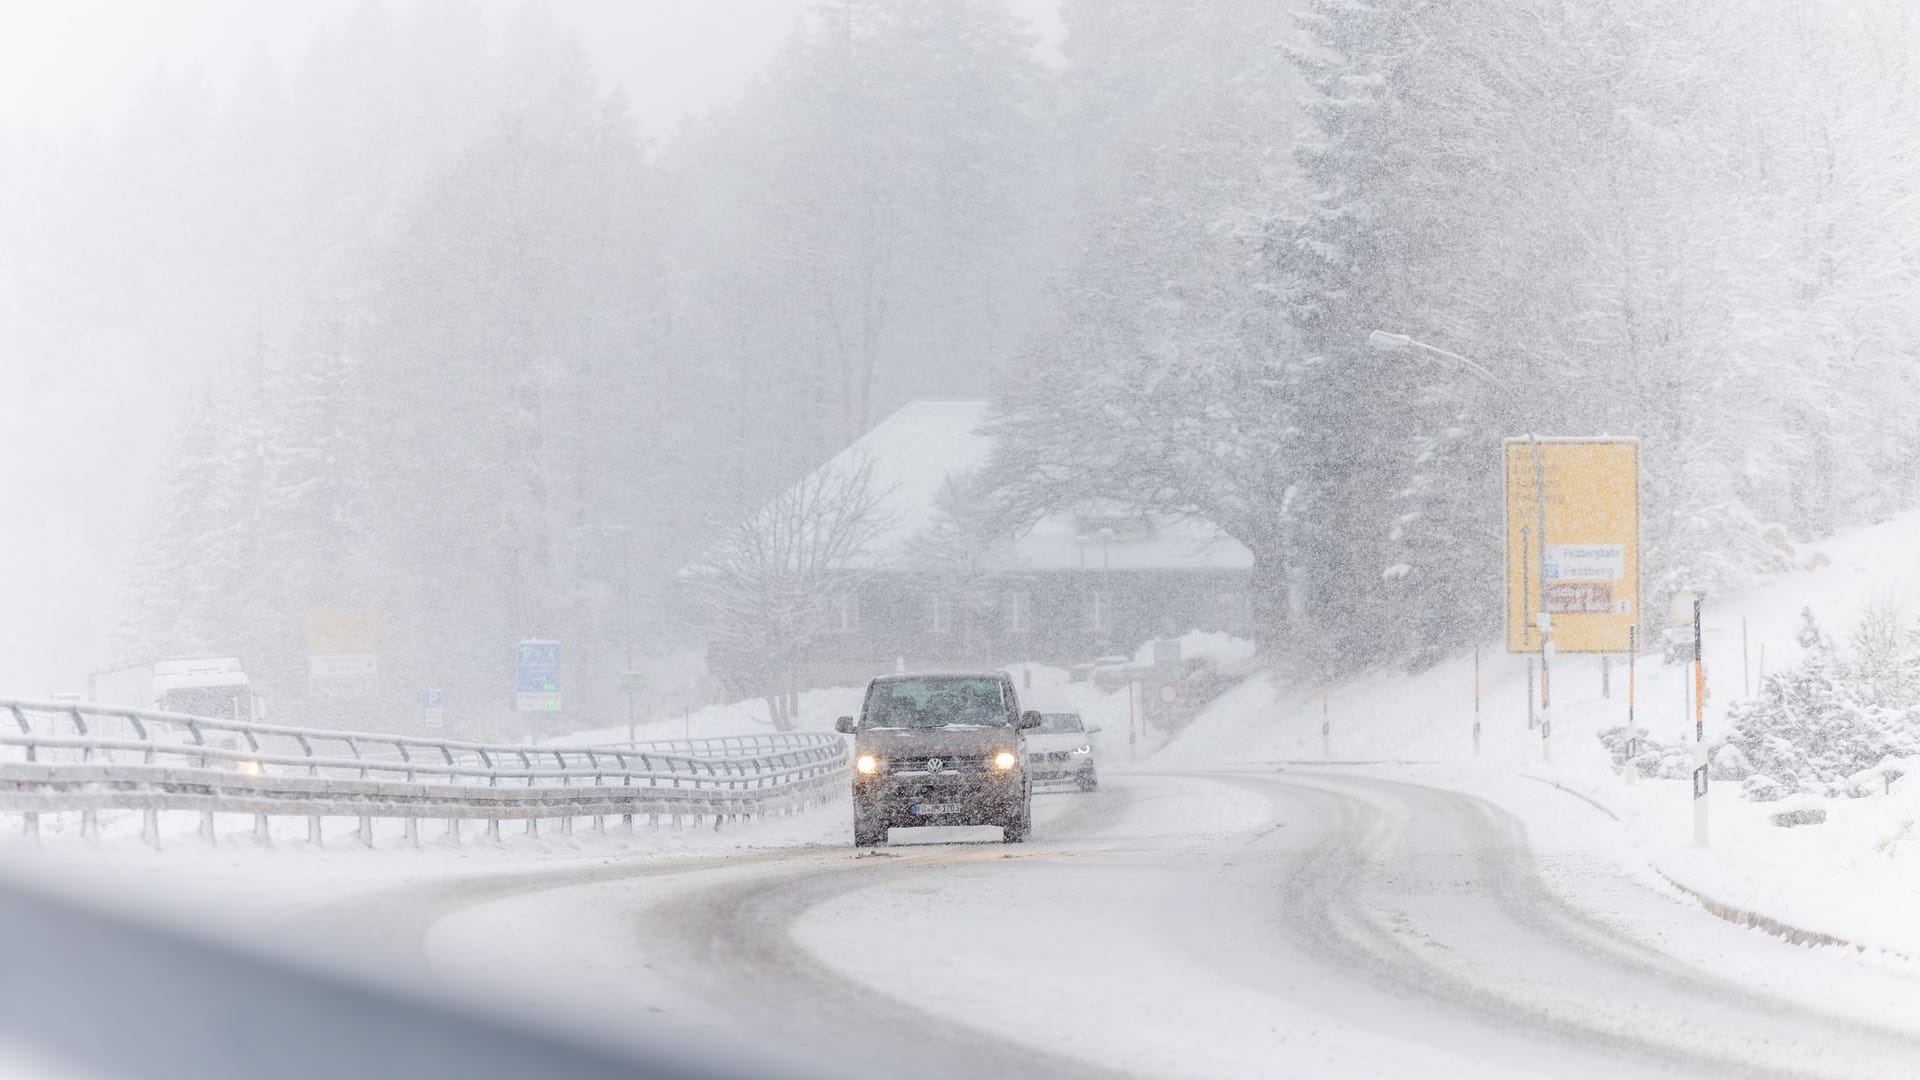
[[1531, 722], [1546, 609], [1476, 701], [1526, 617], [1632, 769]]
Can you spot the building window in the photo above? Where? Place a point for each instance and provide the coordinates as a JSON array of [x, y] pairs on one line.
[[846, 613], [1019, 613], [939, 613], [1099, 611]]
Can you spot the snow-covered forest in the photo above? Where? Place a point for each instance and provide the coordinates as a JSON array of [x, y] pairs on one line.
[[470, 352]]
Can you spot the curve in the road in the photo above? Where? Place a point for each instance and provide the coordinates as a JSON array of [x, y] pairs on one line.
[[1369, 921]]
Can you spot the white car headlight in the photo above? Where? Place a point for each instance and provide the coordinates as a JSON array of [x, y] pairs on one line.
[[1085, 749], [867, 764], [1005, 760]]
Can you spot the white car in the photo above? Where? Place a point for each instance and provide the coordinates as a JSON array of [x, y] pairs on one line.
[[1061, 749]]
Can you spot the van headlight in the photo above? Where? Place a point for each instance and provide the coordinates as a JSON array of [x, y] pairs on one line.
[[1086, 749], [1005, 760], [867, 764]]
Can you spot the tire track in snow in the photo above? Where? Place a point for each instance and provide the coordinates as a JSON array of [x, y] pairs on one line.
[[1381, 894]]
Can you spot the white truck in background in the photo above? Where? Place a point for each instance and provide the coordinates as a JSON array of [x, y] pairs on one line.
[[213, 686]]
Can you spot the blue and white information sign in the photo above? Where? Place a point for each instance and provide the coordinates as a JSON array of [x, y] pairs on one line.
[[536, 680], [436, 709]]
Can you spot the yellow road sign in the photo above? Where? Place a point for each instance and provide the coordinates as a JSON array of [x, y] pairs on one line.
[[1588, 571]]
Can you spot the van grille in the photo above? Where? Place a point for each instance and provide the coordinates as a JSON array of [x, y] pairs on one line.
[[925, 763]]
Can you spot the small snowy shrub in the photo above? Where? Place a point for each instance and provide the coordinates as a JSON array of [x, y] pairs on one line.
[[1814, 726]]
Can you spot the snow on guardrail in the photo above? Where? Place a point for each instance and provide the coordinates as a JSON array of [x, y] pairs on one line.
[[81, 758]]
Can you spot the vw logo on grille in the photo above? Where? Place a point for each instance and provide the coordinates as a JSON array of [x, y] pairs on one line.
[[934, 763]]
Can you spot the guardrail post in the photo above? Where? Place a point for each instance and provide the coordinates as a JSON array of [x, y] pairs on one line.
[[453, 831], [493, 829], [365, 831], [150, 827], [314, 835], [413, 832], [90, 826], [260, 833], [30, 827], [206, 827]]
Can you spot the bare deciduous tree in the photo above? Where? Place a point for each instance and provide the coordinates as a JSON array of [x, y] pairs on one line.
[[769, 587]]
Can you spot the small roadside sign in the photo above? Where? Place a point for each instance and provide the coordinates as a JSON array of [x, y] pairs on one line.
[[1166, 652], [1169, 693], [536, 680], [435, 709]]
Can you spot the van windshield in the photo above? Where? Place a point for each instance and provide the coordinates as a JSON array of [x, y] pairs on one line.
[[957, 701]]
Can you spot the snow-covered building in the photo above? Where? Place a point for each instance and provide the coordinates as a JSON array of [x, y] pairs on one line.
[[1082, 582]]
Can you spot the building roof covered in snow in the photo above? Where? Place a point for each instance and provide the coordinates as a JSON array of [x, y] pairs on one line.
[[921, 450]]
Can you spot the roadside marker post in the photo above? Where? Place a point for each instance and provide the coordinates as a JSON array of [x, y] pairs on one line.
[[1326, 722], [1133, 726], [1699, 732]]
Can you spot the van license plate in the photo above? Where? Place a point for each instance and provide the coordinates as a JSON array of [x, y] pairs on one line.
[[930, 809]]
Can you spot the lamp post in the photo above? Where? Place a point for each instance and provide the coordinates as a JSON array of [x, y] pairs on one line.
[[1104, 609], [1386, 342], [626, 614], [1093, 622]]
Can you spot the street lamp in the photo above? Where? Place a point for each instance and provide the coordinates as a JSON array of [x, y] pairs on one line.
[[1383, 341]]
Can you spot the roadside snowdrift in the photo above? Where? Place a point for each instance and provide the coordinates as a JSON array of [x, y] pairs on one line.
[[1855, 876]]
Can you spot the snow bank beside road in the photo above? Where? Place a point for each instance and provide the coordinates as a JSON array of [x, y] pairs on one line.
[[1853, 877]]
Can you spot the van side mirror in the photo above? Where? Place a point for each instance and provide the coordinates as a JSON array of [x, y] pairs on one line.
[[1094, 730], [1029, 720], [844, 725]]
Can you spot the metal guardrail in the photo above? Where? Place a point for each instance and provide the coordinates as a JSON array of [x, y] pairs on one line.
[[68, 757]]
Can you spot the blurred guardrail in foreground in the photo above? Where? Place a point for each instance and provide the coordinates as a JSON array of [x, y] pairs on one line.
[[80, 758]]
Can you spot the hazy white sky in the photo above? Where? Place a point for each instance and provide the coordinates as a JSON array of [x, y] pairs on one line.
[[71, 63]]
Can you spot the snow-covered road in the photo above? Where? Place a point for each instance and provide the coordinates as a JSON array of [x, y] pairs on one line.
[[1204, 923]]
